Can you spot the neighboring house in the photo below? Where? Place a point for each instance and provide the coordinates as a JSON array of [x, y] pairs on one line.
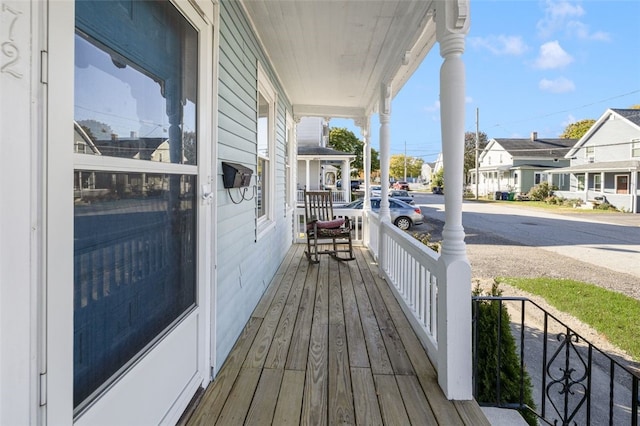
[[605, 162], [119, 304], [426, 173], [318, 165], [517, 165]]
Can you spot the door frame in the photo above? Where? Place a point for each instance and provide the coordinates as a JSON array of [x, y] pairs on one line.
[[626, 177], [58, 222]]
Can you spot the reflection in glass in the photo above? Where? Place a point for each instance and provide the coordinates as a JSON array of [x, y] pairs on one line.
[[134, 267], [128, 111]]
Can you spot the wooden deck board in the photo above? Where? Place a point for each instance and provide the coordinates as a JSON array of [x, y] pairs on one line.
[[329, 344]]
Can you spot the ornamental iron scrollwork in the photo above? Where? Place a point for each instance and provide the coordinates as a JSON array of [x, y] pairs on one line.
[[570, 383]]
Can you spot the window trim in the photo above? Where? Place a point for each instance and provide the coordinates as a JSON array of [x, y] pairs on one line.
[[635, 148], [266, 89]]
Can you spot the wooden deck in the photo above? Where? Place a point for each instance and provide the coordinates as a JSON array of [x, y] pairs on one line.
[[329, 344]]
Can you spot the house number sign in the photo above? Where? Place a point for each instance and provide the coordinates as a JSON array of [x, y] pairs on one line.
[[10, 51]]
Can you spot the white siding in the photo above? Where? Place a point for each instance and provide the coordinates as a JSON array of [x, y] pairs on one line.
[[244, 264]]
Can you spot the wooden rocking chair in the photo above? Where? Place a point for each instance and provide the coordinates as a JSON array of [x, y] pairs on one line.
[[323, 226]]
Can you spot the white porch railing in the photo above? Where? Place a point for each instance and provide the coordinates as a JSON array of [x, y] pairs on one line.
[[413, 272], [337, 197]]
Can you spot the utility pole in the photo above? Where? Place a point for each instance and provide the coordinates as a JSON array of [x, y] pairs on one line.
[[477, 149], [405, 161]]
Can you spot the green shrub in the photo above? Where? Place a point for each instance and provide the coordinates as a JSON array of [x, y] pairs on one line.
[[542, 191], [487, 357], [605, 206], [426, 240]]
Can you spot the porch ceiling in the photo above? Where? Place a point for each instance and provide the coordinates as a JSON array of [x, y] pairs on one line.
[[333, 55]]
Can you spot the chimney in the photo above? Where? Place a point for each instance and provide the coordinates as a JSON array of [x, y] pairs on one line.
[[534, 136]]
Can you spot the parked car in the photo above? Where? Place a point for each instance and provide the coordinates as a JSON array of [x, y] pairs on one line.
[[402, 195], [401, 185], [375, 190], [355, 184], [403, 215]]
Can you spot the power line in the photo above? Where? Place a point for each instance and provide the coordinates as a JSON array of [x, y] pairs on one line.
[[566, 110]]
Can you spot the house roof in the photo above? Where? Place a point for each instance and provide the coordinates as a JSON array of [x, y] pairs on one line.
[[325, 153], [333, 56], [631, 115], [606, 166], [540, 148]]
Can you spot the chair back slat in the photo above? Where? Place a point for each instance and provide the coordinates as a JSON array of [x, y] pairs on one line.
[[318, 205]]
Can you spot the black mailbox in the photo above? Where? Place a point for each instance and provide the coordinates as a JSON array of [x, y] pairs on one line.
[[235, 175]]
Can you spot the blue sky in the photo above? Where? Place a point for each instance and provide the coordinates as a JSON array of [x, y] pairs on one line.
[[530, 66]]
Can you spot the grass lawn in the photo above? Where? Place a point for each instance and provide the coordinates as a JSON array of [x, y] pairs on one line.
[[614, 315], [542, 205]]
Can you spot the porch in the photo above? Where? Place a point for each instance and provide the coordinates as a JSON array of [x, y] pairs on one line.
[[329, 344]]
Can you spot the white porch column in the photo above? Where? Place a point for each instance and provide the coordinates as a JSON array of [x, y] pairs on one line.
[[364, 125], [385, 148], [633, 190], [346, 180], [307, 177], [454, 295]]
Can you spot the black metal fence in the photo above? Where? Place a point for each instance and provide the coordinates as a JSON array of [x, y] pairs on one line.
[[572, 381]]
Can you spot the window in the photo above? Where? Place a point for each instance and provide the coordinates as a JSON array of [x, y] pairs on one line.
[[580, 179], [134, 213], [515, 178], [266, 106], [597, 183], [590, 154], [537, 178], [635, 148]]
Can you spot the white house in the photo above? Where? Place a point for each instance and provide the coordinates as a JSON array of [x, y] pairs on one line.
[[117, 309], [605, 162], [518, 164], [318, 165]]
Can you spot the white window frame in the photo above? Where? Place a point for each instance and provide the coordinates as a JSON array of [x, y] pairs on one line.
[[590, 154], [597, 186], [635, 148], [266, 221], [537, 178]]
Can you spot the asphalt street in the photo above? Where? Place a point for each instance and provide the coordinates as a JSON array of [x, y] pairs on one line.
[[608, 240]]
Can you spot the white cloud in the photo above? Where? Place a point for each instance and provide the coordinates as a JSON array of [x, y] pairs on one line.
[[556, 14], [581, 31], [433, 108], [565, 16], [559, 85], [552, 56], [500, 45]]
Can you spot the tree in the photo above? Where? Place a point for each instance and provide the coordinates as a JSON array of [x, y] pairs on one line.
[[470, 149], [397, 163], [344, 140], [577, 130], [438, 178]]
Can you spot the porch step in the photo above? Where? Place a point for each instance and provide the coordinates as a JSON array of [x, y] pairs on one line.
[[503, 417]]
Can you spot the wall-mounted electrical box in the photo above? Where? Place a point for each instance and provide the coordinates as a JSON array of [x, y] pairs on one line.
[[235, 175]]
